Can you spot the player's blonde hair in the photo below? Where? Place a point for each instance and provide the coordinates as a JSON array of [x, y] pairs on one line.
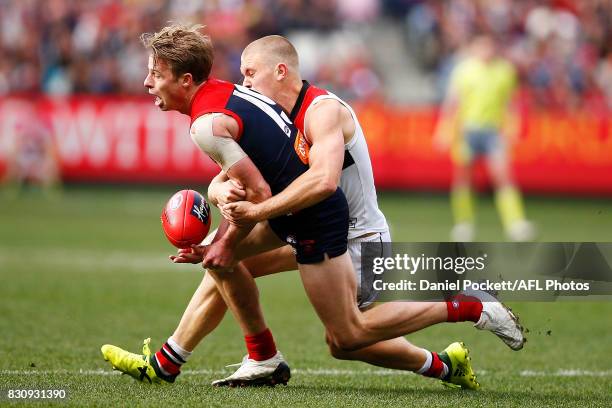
[[184, 48]]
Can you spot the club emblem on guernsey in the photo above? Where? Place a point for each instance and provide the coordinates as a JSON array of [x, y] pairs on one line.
[[200, 208], [301, 147]]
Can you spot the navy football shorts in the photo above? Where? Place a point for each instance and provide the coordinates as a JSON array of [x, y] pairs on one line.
[[317, 230]]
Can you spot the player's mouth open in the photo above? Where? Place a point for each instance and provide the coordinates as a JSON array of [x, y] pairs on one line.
[[158, 100]]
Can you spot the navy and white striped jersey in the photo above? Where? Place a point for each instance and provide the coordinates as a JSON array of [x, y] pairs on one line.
[[266, 134]]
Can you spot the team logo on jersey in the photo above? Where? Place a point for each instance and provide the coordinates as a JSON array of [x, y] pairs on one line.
[[302, 148], [200, 208]]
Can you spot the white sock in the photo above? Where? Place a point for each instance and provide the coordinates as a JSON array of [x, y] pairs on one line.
[[178, 349], [427, 364]]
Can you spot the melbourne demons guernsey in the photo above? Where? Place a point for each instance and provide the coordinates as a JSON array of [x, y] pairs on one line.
[[266, 134], [357, 179]]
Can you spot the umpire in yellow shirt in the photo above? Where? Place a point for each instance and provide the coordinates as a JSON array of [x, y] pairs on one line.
[[476, 120]]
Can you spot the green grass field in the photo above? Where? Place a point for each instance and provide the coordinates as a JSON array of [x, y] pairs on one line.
[[91, 268]]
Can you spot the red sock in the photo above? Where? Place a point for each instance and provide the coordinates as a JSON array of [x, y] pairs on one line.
[[463, 308], [261, 345], [169, 360], [436, 370]]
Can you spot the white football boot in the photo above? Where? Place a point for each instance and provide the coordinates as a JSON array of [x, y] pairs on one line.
[[499, 319], [463, 232], [521, 231], [252, 373]]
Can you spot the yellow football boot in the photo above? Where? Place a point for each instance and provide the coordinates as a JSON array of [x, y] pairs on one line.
[[461, 374], [137, 366]]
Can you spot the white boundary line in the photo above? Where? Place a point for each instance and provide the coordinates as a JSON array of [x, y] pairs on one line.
[[322, 372]]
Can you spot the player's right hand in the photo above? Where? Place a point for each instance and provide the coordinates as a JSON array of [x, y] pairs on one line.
[[219, 257], [193, 255], [228, 192]]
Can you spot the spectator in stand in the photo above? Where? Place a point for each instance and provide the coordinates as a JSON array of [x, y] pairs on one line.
[[555, 44], [62, 47], [65, 46]]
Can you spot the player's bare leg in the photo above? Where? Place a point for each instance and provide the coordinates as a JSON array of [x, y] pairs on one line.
[[350, 337], [462, 202], [203, 314], [240, 293], [508, 198], [331, 287], [207, 307], [398, 354], [238, 287], [264, 364]]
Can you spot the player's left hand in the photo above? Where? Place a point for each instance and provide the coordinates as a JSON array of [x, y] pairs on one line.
[[240, 213], [219, 257], [193, 255]]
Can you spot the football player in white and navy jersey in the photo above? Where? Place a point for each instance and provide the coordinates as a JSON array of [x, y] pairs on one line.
[[328, 125]]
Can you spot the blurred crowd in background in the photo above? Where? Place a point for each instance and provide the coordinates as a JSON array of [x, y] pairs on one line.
[[562, 48]]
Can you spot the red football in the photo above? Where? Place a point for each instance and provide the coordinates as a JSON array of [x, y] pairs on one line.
[[186, 218]]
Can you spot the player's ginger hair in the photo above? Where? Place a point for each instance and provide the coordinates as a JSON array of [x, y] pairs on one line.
[[277, 49], [184, 48]]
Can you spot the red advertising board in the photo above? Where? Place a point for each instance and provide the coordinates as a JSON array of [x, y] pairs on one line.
[[109, 139], [129, 140], [555, 152]]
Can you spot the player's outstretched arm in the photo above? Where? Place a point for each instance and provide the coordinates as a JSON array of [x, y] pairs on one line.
[[320, 181]]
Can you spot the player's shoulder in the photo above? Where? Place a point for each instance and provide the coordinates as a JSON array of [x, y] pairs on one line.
[[215, 86], [321, 100], [212, 94], [217, 124], [314, 91], [326, 111]]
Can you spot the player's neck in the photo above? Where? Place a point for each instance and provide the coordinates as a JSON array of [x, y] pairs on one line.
[[186, 107], [289, 95]]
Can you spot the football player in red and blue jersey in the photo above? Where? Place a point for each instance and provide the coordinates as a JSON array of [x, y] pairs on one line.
[[323, 268]]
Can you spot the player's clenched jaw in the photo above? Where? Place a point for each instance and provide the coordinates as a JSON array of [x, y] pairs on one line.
[[169, 91]]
